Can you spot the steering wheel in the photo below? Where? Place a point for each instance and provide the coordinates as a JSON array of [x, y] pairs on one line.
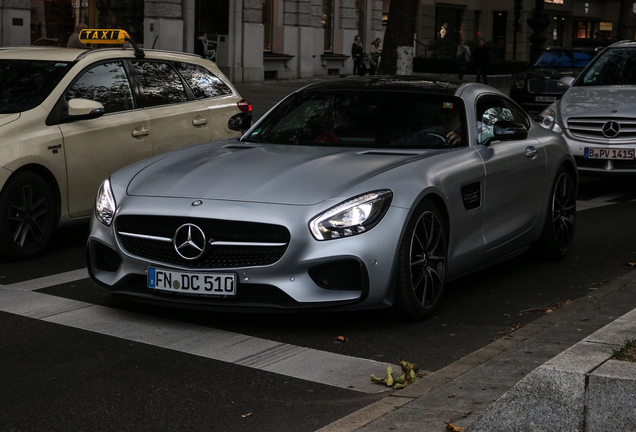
[[437, 135]]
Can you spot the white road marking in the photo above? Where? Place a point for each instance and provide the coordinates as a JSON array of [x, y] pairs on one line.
[[303, 363], [598, 201]]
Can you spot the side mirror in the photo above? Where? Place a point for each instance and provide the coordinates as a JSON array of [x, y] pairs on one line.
[[82, 109], [240, 122], [565, 82], [505, 130]]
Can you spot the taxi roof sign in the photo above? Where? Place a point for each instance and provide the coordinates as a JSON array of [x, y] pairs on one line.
[[101, 36]]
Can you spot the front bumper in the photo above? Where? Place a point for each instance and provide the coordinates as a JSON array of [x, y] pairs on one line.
[[351, 272], [600, 167]]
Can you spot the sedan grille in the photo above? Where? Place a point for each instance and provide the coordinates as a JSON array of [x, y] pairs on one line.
[[608, 130], [233, 243], [545, 86]]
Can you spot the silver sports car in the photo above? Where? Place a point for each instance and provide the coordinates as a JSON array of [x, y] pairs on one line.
[[353, 193]]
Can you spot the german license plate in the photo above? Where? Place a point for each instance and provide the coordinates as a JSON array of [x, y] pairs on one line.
[[223, 284], [545, 98], [609, 153]]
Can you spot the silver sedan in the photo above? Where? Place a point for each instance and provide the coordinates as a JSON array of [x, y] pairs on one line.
[[356, 193]]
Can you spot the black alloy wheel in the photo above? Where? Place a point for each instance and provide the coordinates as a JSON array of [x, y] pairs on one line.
[[27, 216], [422, 264], [560, 222]]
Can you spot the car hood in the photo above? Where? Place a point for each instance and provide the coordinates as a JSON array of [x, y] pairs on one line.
[[8, 118], [553, 73], [604, 101], [280, 174]]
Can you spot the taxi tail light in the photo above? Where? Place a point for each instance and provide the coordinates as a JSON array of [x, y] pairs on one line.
[[244, 106]]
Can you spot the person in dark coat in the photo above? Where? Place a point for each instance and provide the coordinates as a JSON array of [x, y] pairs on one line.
[[482, 58], [463, 58], [356, 54]]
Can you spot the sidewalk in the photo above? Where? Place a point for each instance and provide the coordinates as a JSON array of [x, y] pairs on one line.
[[554, 374]]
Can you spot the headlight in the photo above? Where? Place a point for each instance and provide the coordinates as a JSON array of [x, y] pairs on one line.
[[351, 217], [548, 120], [105, 204]]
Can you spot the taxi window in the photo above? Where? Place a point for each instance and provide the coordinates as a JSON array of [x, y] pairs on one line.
[[106, 83], [26, 83], [161, 84], [204, 84]]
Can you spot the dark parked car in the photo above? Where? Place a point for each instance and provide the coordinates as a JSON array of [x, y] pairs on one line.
[[538, 86]]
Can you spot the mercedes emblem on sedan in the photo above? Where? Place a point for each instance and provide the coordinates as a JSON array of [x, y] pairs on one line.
[[611, 129], [189, 241]]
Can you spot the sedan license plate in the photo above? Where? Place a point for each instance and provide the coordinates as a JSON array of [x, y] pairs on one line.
[[217, 284], [609, 153], [545, 98]]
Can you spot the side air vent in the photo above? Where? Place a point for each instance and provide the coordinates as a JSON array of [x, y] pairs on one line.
[[471, 195]]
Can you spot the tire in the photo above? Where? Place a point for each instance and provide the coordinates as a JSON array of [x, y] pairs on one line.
[[560, 219], [421, 271], [28, 216]]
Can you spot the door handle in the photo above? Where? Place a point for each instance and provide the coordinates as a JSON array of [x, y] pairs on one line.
[[140, 132], [531, 152], [199, 121]]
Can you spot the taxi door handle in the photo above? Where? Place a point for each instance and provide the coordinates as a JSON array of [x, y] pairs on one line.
[[531, 152], [199, 121], [140, 132]]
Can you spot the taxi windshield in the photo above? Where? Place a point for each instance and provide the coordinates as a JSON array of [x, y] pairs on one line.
[[26, 83], [376, 119]]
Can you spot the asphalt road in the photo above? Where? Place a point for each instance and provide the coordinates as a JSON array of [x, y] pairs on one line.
[[72, 358]]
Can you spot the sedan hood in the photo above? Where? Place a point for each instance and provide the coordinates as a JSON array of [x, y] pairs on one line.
[[604, 101], [280, 174], [8, 118], [553, 73]]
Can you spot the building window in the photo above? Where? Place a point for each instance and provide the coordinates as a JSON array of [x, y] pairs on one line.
[[449, 22], [268, 27], [53, 21], [327, 24], [583, 29]]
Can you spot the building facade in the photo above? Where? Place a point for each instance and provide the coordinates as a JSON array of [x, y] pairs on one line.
[[256, 40]]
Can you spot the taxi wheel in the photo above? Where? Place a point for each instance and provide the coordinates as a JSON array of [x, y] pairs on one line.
[[560, 221], [27, 216], [421, 274]]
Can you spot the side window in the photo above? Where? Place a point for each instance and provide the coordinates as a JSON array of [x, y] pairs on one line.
[[160, 83], [106, 83], [490, 110], [204, 84]]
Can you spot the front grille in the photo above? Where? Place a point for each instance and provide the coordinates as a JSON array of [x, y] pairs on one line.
[[591, 128], [545, 86], [148, 231]]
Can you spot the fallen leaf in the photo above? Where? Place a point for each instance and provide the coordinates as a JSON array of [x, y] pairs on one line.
[[454, 428], [407, 366], [631, 264], [342, 339], [246, 415]]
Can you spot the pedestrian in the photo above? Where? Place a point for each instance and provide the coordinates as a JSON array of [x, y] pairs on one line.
[[375, 56], [73, 40], [201, 45], [356, 54], [463, 58], [482, 58]]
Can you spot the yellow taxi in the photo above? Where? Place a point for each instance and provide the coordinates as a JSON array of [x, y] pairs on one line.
[[71, 117]]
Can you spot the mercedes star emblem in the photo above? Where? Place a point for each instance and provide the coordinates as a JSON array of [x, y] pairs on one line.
[[611, 129], [189, 241]]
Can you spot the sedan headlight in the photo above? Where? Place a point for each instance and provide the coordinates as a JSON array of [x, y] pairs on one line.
[[351, 217], [105, 204], [548, 120]]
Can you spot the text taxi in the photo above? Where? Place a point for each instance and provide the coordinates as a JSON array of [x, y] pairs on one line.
[[69, 118]]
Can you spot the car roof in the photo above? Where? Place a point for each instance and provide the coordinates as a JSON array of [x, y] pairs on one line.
[[623, 44], [387, 83], [74, 54], [560, 48]]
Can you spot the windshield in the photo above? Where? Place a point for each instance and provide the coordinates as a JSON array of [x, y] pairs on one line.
[[564, 59], [616, 66], [26, 83], [378, 119]]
